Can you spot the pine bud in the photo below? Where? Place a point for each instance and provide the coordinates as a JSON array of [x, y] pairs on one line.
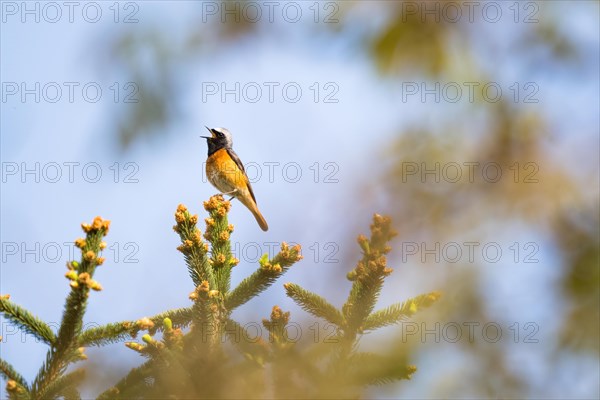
[[224, 236], [71, 275], [81, 354], [264, 260], [413, 307], [145, 323], [135, 346], [95, 285], [364, 243], [11, 385], [148, 339]]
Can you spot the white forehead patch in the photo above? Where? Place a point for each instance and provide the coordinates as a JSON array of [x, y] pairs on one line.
[[227, 135], [223, 130]]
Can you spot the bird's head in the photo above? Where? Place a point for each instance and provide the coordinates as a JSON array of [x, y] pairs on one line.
[[220, 137]]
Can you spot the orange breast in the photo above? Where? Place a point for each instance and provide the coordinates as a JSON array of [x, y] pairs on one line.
[[224, 173]]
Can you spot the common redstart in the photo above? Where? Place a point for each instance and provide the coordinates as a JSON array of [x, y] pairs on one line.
[[226, 172]]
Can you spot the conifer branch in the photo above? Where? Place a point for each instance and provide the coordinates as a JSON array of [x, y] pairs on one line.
[[374, 369], [171, 367], [254, 350], [369, 274], [65, 350], [263, 277], [71, 393], [115, 332], [107, 334], [194, 249], [362, 299], [207, 315], [16, 391], [132, 380], [26, 321], [218, 232], [276, 326], [180, 317], [399, 312], [64, 386], [314, 304], [164, 354], [54, 366], [283, 358], [196, 363], [10, 373]]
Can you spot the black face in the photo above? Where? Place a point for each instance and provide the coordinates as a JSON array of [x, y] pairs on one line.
[[217, 141]]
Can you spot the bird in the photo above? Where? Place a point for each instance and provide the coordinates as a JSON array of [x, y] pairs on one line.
[[226, 172]]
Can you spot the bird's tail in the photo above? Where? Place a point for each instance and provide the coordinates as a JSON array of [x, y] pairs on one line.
[[260, 219], [251, 205]]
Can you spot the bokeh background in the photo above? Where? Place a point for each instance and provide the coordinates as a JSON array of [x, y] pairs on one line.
[[377, 108]]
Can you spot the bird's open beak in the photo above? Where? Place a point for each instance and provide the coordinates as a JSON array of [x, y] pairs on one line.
[[211, 132]]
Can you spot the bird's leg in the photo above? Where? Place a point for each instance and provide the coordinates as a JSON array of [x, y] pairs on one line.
[[232, 193]]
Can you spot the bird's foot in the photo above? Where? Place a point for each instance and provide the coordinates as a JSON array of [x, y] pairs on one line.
[[232, 193]]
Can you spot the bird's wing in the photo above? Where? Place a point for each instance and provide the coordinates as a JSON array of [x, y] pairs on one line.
[[238, 162]]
